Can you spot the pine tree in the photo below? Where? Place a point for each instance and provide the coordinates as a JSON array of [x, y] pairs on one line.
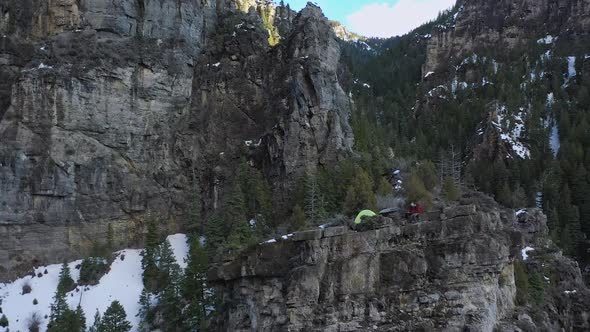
[[427, 173], [257, 197], [216, 232], [96, 325], [145, 313], [449, 190], [569, 217], [170, 300], [166, 262], [504, 196], [58, 318], [74, 320], [240, 236], [66, 283], [416, 191], [360, 194], [298, 219], [149, 258], [3, 321], [521, 281], [62, 318], [536, 288], [114, 319], [315, 208], [194, 288]]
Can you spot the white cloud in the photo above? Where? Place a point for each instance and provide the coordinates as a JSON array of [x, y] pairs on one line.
[[385, 20]]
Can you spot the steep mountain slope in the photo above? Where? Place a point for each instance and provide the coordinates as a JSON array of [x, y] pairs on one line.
[[113, 114], [505, 86]]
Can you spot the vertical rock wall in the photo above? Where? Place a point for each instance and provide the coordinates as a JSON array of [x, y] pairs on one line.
[[110, 112]]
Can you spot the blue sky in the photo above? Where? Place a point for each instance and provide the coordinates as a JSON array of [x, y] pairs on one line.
[[379, 18]]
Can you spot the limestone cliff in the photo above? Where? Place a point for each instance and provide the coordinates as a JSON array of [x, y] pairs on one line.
[[453, 272], [112, 111]]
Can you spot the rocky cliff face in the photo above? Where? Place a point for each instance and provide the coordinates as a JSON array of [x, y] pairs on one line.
[[111, 112], [483, 24], [453, 272]]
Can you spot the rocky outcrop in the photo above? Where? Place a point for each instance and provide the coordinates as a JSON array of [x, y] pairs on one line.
[[110, 113], [453, 272], [484, 24]]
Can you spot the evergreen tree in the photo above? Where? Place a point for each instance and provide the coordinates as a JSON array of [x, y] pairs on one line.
[[504, 195], [62, 318], [257, 197], [80, 319], [360, 194], [170, 300], [149, 258], [166, 263], [536, 288], [114, 319], [240, 236], [66, 283], [569, 217], [96, 325], [449, 190], [416, 191], [241, 233], [315, 204], [3, 321], [194, 288], [384, 188], [58, 318], [521, 281], [298, 219], [145, 313], [91, 270], [427, 173], [216, 232]]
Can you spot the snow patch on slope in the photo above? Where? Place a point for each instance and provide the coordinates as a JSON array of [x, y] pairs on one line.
[[548, 40], [571, 67], [524, 252], [512, 136], [123, 283], [554, 141]]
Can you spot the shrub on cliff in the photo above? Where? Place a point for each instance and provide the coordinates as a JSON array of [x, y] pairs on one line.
[[91, 270]]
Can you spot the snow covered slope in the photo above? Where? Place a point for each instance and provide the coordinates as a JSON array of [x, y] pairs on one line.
[[122, 283]]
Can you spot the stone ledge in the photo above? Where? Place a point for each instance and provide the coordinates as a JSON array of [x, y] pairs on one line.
[[459, 211], [335, 231], [314, 234]]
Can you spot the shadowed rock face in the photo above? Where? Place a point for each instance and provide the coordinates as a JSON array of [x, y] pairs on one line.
[[110, 112], [504, 25], [453, 273]]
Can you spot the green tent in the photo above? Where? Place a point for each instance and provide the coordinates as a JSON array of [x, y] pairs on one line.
[[364, 213]]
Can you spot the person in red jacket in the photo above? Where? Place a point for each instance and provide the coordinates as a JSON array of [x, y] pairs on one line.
[[414, 212]]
